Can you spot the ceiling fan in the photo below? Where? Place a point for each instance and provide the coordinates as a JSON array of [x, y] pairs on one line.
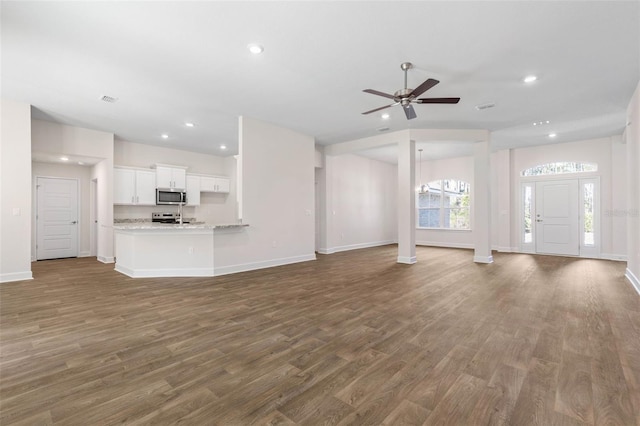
[[406, 96]]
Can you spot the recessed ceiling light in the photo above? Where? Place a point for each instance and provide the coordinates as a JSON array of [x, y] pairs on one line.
[[385, 116], [64, 158], [530, 79], [80, 163], [188, 124], [552, 135], [165, 136], [256, 49], [223, 147]]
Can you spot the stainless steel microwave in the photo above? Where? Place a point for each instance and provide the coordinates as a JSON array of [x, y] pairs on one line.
[[170, 196]]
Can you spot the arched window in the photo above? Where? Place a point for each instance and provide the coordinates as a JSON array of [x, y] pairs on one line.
[[444, 204], [559, 167]]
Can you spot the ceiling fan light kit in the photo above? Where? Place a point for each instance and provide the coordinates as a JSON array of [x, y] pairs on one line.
[[406, 97]]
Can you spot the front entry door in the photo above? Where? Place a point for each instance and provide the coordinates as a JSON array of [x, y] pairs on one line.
[[557, 217], [57, 218]]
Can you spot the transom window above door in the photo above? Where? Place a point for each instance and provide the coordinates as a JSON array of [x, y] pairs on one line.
[[559, 167]]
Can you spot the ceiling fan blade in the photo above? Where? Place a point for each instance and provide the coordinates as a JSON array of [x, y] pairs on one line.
[[375, 92], [409, 112], [428, 84], [378, 109], [438, 100]]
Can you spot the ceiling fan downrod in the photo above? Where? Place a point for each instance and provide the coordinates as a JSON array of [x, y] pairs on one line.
[[406, 66]]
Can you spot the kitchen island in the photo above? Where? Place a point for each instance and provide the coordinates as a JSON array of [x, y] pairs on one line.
[[166, 250]]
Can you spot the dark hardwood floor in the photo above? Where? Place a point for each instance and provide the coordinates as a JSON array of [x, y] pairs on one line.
[[352, 338]]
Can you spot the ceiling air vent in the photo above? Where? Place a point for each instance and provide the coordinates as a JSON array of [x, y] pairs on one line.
[[485, 106], [109, 99], [382, 129]]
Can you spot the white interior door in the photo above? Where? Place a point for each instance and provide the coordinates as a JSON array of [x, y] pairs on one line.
[[56, 218], [557, 217]]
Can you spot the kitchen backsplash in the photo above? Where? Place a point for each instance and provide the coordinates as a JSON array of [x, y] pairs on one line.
[[212, 210]]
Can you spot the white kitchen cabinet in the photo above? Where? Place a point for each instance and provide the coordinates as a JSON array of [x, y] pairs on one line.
[[222, 184], [193, 190], [171, 177], [134, 187], [124, 186], [214, 184], [207, 184], [145, 187]]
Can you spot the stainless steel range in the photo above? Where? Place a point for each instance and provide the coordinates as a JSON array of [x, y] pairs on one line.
[[165, 218]]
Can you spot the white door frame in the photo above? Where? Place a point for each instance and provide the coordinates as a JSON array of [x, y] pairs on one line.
[[587, 251], [93, 217], [78, 203]]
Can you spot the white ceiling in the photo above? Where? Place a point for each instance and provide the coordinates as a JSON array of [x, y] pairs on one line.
[[172, 62]]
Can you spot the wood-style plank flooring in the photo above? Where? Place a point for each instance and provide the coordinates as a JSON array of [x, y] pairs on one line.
[[352, 338]]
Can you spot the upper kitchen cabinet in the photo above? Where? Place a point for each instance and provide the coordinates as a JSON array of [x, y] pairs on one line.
[[214, 184], [193, 190], [173, 177], [134, 187]]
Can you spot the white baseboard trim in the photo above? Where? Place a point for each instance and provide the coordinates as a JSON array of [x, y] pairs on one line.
[[158, 273], [84, 254], [505, 249], [105, 259], [407, 260], [244, 267], [635, 282], [483, 259], [446, 245], [331, 250], [16, 276], [618, 257]]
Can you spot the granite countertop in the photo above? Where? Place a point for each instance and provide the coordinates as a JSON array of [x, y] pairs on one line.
[[135, 224]]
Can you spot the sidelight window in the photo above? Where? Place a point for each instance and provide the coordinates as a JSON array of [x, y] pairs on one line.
[[588, 234], [527, 207]]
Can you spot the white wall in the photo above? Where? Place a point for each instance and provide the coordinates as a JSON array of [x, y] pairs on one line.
[[360, 203], [145, 156], [83, 175], [460, 168], [15, 191], [632, 136], [277, 167], [617, 215], [600, 151], [53, 138], [214, 208]]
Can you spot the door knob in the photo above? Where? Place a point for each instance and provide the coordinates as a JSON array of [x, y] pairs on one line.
[[74, 222], [538, 220]]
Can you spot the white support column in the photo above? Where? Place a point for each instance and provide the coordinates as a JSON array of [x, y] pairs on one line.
[[482, 202], [503, 199], [406, 202]]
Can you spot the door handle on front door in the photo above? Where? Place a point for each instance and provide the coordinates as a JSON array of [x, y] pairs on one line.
[[74, 222]]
